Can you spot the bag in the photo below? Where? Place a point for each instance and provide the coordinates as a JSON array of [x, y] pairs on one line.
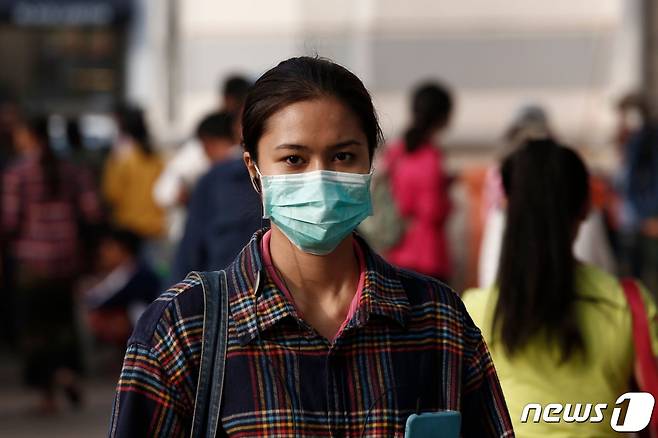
[[646, 365], [110, 325], [386, 227], [210, 385]]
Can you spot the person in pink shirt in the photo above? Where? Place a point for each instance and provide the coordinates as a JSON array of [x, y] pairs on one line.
[[420, 186]]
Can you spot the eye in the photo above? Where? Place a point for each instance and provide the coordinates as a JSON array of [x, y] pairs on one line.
[[293, 160], [344, 156]]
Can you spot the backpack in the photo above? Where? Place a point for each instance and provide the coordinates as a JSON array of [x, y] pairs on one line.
[[386, 227]]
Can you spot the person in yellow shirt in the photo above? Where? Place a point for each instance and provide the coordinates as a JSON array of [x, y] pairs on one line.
[[559, 331], [129, 176]]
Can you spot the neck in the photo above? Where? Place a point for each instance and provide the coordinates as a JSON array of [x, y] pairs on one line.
[[313, 276]]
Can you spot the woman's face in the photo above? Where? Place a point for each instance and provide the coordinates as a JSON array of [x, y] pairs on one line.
[[319, 134]]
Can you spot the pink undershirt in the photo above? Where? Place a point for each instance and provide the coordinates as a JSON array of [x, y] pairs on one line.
[[267, 258]]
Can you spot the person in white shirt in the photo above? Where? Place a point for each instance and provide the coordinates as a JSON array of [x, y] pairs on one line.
[[190, 162]]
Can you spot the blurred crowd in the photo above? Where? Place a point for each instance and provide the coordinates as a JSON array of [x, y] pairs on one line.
[[101, 232], [90, 236]]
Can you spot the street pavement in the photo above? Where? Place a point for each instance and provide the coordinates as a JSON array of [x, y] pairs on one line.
[[18, 419]]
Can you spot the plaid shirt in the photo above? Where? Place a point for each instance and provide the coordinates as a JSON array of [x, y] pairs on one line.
[[409, 346]]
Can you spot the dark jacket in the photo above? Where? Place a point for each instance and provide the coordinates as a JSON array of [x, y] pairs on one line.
[[224, 212], [641, 185]]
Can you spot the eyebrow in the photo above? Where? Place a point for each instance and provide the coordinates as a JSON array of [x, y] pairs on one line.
[[297, 147]]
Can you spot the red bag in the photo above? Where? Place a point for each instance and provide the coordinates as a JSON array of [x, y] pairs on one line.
[[646, 366]]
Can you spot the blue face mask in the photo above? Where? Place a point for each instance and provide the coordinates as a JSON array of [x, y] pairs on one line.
[[316, 210]]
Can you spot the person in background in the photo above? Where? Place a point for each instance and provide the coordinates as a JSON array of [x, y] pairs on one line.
[[124, 287], [559, 330], [181, 173], [79, 153], [75, 142], [632, 110], [10, 118], [92, 163], [420, 186], [591, 244], [214, 232], [639, 188], [128, 179], [530, 123], [44, 202], [234, 90]]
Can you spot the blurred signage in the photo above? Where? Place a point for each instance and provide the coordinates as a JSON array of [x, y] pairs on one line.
[[64, 12]]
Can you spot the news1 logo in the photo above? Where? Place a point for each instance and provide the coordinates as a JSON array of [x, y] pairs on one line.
[[631, 412]]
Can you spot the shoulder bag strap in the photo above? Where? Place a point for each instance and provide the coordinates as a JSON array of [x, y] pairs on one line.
[[215, 322], [644, 358], [646, 366], [219, 368]]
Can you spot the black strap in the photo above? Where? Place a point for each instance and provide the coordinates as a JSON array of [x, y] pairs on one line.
[[212, 365]]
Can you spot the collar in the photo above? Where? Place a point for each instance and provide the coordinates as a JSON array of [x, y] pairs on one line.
[[248, 284]]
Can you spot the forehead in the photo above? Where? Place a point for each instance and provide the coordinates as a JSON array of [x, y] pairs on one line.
[[319, 122]]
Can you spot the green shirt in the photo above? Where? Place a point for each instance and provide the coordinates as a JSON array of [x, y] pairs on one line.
[[534, 375]]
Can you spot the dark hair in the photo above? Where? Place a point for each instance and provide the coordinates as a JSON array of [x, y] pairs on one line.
[[431, 106], [38, 126], [547, 188], [73, 134], [131, 122], [638, 101], [216, 125], [236, 86], [128, 240], [530, 123], [305, 78]]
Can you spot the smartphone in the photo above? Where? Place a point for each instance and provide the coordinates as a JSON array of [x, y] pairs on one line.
[[443, 424]]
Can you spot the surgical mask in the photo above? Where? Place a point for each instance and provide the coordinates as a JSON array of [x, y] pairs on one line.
[[316, 210]]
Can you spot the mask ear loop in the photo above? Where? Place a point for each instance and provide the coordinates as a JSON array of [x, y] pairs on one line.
[[256, 181]]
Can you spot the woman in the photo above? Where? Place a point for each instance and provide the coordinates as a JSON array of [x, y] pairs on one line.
[[44, 203], [128, 180], [325, 337], [129, 177], [559, 330], [591, 245], [420, 186]]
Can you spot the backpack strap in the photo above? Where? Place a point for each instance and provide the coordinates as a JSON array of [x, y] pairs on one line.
[[212, 366]]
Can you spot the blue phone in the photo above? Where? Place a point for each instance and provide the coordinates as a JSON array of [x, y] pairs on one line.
[[443, 424]]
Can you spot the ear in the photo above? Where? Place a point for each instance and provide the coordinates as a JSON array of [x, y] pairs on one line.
[[250, 164], [253, 174]]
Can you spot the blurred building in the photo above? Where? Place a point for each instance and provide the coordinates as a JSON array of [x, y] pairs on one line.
[[66, 57], [63, 55], [576, 57]]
